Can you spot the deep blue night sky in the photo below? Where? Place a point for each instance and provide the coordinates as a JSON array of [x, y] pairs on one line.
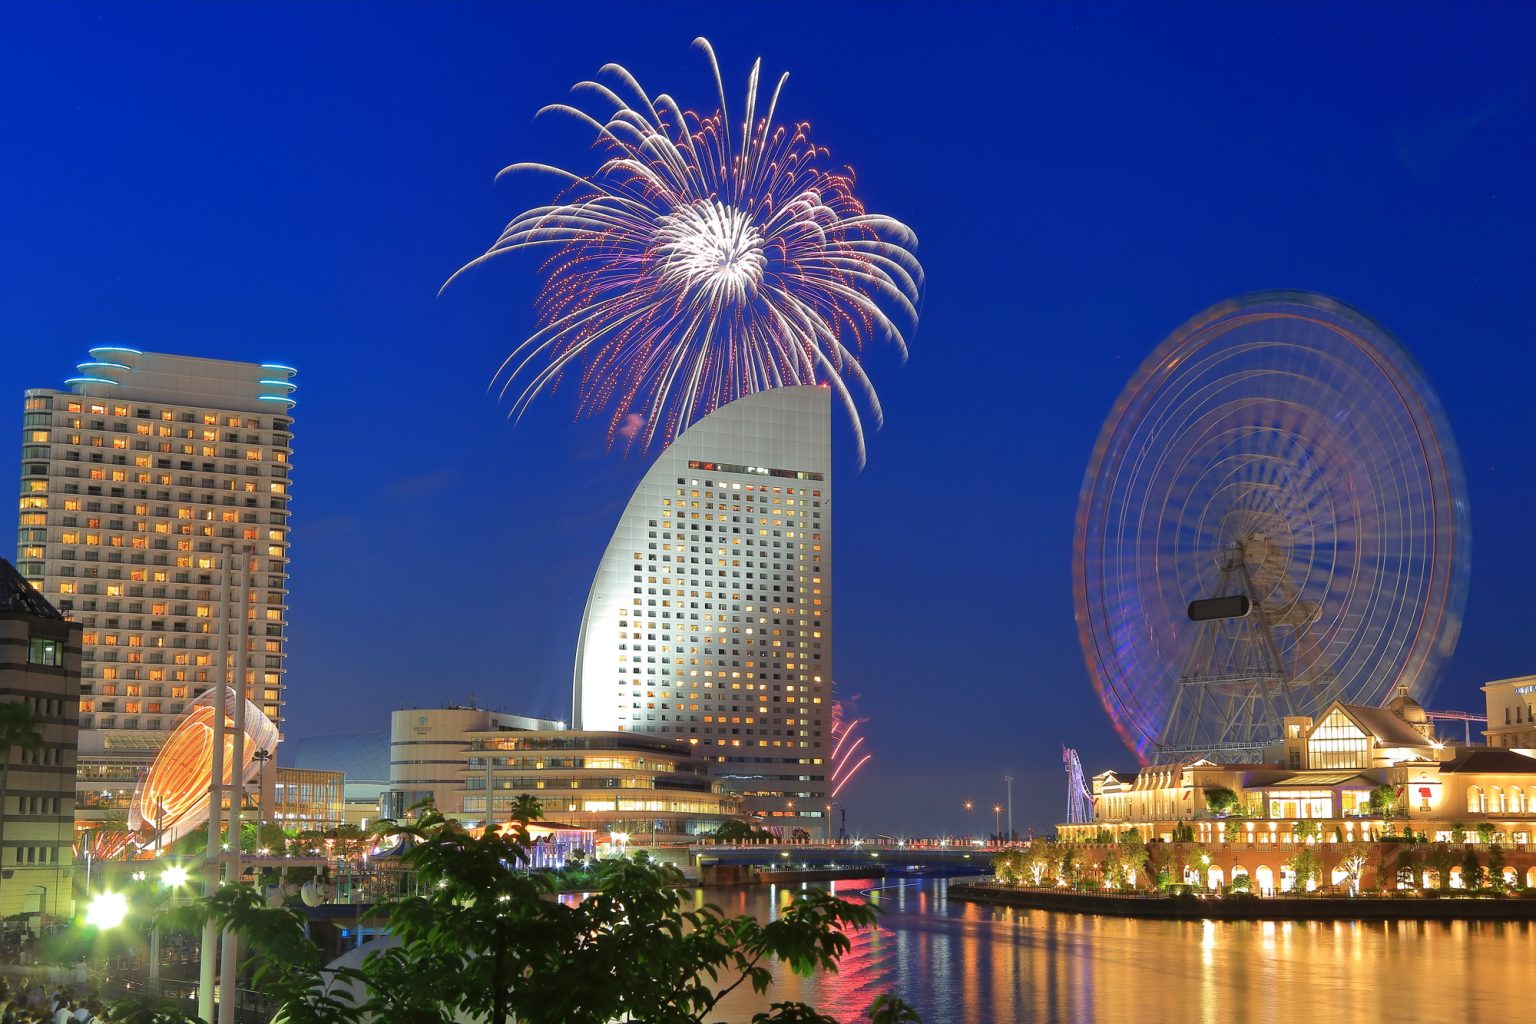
[[293, 183]]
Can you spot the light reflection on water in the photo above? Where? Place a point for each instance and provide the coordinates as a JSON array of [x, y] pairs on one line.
[[959, 962]]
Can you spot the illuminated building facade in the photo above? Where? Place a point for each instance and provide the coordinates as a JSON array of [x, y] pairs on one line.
[[308, 798], [1511, 712], [361, 757], [709, 620], [134, 479], [428, 749], [40, 668], [1325, 770], [651, 788]]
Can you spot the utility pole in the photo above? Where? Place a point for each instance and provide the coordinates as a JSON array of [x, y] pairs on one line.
[[1009, 780], [230, 959], [210, 950]]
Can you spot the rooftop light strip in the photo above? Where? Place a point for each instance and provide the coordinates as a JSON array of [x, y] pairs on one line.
[[90, 380]]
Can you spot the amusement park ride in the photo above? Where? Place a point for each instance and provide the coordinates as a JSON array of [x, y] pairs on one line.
[[1274, 518]]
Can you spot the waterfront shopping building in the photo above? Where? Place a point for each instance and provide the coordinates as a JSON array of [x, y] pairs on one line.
[[135, 480], [709, 624], [1325, 770], [1511, 712], [608, 783], [39, 669]]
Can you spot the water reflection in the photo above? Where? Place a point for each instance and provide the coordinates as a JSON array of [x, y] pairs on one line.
[[959, 962]]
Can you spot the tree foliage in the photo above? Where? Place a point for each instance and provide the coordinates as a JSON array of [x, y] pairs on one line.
[[1354, 857], [1496, 866], [481, 940], [1307, 867], [1221, 800], [736, 831], [1472, 876], [1383, 801]]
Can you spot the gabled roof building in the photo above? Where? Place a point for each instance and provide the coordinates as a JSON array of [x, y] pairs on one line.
[[1327, 770]]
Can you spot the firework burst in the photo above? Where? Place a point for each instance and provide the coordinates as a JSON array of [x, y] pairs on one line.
[[702, 261]]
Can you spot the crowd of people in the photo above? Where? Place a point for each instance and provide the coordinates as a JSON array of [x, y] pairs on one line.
[[35, 1004]]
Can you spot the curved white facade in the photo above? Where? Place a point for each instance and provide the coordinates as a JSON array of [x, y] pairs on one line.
[[709, 620]]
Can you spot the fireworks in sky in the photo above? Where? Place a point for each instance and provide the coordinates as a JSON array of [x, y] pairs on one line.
[[702, 260], [846, 759]]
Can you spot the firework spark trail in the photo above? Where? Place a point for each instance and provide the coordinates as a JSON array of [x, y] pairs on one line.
[[845, 758], [701, 262]]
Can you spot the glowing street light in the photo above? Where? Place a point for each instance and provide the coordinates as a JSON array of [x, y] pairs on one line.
[[107, 910], [175, 876]]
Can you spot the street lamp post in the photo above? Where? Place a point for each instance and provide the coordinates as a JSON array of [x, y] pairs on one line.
[[1009, 780], [261, 756], [997, 825]]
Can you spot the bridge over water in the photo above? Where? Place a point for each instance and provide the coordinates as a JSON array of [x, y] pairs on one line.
[[891, 855]]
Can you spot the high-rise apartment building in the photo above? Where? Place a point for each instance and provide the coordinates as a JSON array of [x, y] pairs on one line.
[[135, 479], [709, 620]]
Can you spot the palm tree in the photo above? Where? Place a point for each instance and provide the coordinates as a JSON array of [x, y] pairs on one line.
[[18, 728], [526, 807]]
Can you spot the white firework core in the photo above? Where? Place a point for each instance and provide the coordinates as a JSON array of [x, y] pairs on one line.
[[712, 247]]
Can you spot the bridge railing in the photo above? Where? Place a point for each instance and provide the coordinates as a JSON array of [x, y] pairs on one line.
[[944, 844]]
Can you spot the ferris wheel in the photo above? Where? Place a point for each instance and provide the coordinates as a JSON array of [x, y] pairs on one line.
[[1274, 517]]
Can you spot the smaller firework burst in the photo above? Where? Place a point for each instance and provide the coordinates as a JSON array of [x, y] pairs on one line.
[[847, 758]]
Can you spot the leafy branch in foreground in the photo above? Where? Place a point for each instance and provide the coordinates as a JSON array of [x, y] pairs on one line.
[[484, 939]]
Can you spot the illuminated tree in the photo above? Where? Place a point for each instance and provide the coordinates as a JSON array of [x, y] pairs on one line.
[[1221, 800], [1354, 857], [1306, 866], [1440, 859], [1041, 860], [1010, 866], [1472, 870], [1496, 866], [1307, 829]]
